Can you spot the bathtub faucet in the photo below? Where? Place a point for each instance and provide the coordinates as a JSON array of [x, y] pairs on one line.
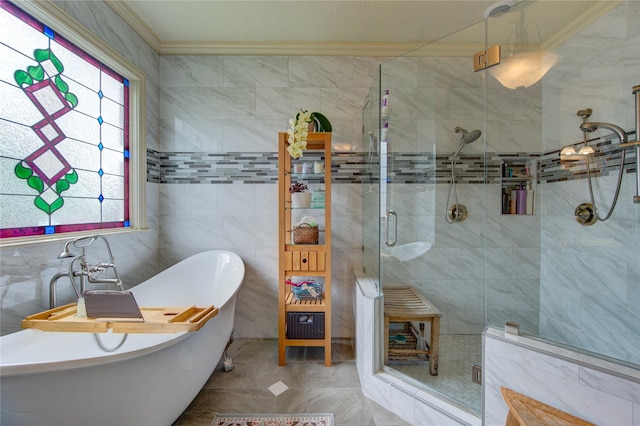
[[53, 299], [84, 271]]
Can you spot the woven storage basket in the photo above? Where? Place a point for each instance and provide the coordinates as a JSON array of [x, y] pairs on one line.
[[305, 325], [305, 234]]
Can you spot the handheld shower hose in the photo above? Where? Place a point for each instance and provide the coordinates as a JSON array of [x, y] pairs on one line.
[[458, 212], [588, 127]]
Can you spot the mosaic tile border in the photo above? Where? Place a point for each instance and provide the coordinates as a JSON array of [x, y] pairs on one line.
[[357, 167]]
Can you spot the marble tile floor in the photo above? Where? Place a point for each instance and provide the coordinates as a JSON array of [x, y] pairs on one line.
[[312, 387], [457, 353]]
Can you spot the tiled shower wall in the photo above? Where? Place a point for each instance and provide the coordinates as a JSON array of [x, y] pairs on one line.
[[430, 97], [590, 276]]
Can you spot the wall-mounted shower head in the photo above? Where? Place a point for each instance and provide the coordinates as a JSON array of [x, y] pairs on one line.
[[593, 126]]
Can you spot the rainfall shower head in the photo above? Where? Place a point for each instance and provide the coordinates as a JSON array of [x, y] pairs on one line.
[[498, 9], [591, 127]]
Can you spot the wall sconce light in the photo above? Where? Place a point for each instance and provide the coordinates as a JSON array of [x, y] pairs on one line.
[[570, 151]]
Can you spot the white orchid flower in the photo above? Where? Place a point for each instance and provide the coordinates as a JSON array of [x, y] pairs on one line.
[[298, 133]]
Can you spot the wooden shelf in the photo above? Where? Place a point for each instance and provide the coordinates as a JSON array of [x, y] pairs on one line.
[[306, 342], [303, 259], [156, 320], [295, 305]]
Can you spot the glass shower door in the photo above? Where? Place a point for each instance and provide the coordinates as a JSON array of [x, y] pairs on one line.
[[430, 131]]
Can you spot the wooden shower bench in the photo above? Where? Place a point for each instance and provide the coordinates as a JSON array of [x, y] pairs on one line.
[[405, 304], [526, 411]]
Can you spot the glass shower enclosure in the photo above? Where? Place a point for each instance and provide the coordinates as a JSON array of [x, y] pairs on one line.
[[430, 129], [469, 202]]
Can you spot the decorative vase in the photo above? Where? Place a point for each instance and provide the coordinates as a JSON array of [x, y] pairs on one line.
[[301, 200]]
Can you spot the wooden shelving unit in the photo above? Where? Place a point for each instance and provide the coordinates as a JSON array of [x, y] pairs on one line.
[[304, 260]]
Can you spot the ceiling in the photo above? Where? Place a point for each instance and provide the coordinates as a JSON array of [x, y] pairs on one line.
[[324, 27]]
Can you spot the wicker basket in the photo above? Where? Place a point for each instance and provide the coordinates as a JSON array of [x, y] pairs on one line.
[[305, 234], [305, 325]]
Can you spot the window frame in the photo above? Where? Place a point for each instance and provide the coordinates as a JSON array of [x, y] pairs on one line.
[[54, 17]]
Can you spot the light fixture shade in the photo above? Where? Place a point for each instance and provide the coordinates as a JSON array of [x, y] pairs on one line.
[[568, 150], [523, 69], [586, 150]]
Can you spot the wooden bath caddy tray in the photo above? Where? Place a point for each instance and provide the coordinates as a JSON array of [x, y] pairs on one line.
[[156, 320]]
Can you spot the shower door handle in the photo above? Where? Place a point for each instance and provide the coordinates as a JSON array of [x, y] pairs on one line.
[[392, 213]]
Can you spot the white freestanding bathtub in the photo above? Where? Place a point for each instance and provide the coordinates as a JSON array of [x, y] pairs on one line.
[[52, 378]]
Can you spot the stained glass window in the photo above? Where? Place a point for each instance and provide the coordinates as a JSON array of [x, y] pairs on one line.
[[64, 140]]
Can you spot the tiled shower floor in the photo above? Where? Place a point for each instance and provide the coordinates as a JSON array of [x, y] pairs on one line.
[[457, 353]]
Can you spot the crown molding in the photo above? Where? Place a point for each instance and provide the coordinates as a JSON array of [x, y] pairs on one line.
[[582, 21], [373, 49], [318, 49], [133, 20]]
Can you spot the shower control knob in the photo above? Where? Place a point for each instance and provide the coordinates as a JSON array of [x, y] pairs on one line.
[[585, 214]]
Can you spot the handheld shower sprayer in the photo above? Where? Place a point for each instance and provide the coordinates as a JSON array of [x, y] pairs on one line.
[[65, 252], [80, 242], [588, 127], [466, 138], [458, 212], [593, 126]]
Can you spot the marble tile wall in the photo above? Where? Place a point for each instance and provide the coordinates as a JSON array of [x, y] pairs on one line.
[[430, 97], [589, 276], [210, 109], [27, 270], [594, 390], [219, 120]]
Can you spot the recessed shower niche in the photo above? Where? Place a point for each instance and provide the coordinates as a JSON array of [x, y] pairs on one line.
[[518, 184]]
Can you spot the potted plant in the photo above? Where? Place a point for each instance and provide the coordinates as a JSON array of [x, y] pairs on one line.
[[300, 198], [319, 123]]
